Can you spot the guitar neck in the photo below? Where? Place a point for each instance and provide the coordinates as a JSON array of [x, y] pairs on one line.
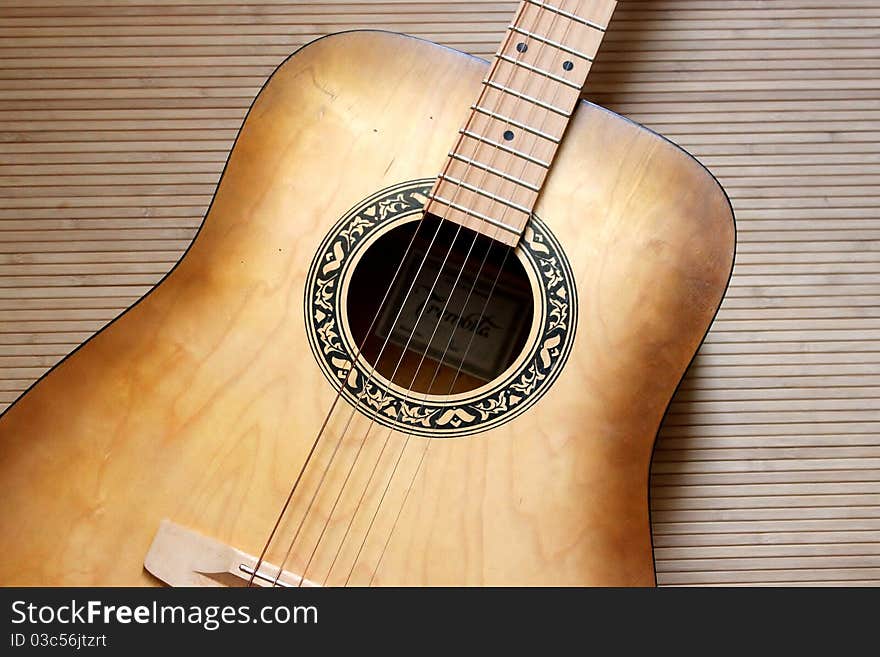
[[503, 153]]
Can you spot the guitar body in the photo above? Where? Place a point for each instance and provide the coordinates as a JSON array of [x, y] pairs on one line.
[[200, 404]]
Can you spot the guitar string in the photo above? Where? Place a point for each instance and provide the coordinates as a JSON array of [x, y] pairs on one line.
[[437, 369], [393, 376], [412, 382], [381, 453], [419, 368], [341, 438], [343, 383], [326, 420], [449, 300], [428, 443], [541, 49], [369, 378], [408, 435], [342, 435], [504, 46]]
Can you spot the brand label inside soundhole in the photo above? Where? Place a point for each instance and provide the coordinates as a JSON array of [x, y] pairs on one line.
[[471, 318]]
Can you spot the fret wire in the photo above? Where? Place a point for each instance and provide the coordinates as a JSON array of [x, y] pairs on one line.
[[540, 71], [493, 170], [478, 215], [567, 14], [515, 123], [483, 192], [527, 98], [506, 149], [551, 42]]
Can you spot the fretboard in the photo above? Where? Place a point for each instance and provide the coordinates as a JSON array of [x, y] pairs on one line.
[[503, 153]]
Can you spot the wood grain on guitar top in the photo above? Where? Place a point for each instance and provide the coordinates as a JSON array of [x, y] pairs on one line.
[[201, 402]]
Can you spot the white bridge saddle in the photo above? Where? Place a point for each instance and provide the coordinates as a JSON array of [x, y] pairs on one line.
[[182, 557]]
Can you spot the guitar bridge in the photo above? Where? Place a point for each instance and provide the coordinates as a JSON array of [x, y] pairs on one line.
[[181, 557]]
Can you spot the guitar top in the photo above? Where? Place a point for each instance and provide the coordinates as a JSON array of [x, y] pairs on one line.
[[426, 335]]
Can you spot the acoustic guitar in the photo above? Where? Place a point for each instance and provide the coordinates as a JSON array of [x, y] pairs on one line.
[[426, 335]]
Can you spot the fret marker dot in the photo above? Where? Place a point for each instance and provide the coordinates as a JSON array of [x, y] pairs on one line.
[[508, 135], [568, 65], [522, 46]]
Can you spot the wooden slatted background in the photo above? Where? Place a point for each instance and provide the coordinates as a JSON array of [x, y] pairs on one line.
[[116, 117]]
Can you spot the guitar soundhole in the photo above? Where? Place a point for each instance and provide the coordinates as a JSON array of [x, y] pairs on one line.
[[457, 315]]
